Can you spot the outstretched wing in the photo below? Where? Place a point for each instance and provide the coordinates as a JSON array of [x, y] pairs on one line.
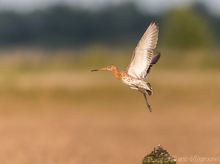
[[143, 53]]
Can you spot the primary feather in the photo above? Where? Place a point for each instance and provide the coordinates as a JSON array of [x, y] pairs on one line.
[[143, 53], [153, 61]]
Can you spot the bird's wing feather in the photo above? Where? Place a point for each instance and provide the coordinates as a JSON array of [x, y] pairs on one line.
[[153, 61], [143, 53]]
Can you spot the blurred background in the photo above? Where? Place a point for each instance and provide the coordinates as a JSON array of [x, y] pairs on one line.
[[53, 110]]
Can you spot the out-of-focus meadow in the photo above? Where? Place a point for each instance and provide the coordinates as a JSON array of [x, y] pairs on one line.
[[53, 110]]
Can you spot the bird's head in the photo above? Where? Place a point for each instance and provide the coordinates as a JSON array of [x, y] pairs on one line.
[[108, 68]]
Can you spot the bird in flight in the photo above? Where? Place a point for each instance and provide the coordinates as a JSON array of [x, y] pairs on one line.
[[142, 60]]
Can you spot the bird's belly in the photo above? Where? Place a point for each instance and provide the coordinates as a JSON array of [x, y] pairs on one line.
[[128, 81], [135, 83]]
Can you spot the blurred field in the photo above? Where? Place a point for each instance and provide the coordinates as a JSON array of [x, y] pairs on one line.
[[53, 110]]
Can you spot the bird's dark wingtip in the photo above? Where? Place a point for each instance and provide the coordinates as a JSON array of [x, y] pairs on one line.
[[155, 58], [158, 53]]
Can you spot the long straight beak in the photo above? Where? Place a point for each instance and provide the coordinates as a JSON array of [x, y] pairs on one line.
[[101, 69]]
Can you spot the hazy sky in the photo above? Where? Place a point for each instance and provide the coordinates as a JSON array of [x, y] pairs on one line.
[[150, 5]]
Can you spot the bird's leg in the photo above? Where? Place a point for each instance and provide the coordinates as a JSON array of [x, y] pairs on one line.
[[148, 105]]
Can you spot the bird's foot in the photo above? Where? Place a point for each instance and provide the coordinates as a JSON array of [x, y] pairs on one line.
[[149, 107]]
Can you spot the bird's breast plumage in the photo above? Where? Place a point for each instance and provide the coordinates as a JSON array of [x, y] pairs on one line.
[[128, 80]]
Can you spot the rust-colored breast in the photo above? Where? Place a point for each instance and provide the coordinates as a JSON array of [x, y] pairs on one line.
[[117, 73], [124, 74]]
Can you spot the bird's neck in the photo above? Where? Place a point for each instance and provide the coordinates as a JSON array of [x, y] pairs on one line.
[[117, 73]]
